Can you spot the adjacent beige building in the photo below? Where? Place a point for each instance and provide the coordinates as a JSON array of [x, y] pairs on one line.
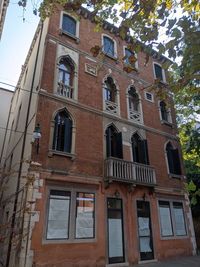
[[5, 101], [3, 9]]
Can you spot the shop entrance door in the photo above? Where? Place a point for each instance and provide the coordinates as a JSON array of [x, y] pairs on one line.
[[145, 231], [115, 230]]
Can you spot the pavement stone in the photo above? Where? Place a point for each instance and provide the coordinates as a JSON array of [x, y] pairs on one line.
[[192, 261]]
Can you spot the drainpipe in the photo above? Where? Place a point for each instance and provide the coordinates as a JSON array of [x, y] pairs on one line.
[[22, 154]]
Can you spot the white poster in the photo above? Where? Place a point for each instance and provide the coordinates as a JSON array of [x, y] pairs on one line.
[[58, 219], [165, 218], [84, 224], [115, 238], [145, 244], [144, 226], [179, 221]]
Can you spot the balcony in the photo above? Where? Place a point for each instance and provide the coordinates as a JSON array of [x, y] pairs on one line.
[[129, 172], [135, 116], [65, 90], [111, 107]]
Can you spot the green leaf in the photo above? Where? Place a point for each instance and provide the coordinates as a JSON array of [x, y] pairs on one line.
[[191, 186]]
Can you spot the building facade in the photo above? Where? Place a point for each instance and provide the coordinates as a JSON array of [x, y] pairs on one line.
[[104, 185], [5, 103]]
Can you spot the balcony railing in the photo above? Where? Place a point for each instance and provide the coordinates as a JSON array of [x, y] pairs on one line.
[[129, 172], [135, 115], [111, 107], [64, 90]]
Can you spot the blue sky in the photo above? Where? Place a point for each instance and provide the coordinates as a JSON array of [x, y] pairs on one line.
[[15, 42]]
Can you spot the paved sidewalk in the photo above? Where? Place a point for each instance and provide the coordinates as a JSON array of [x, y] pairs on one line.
[[192, 261]]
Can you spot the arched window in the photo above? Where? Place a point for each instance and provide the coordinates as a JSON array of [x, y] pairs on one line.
[[65, 77], [139, 149], [173, 159], [134, 105], [133, 99], [69, 25], [62, 138], [114, 146], [110, 90]]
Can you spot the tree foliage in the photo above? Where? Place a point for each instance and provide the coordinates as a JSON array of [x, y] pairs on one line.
[[190, 141]]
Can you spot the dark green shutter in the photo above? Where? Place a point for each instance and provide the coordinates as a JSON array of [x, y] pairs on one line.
[[143, 152], [119, 147], [146, 154], [176, 162], [68, 135], [170, 160], [108, 142]]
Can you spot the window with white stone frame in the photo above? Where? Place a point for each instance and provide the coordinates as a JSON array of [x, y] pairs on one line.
[[159, 72], [172, 220], [69, 25], [165, 113], [109, 46], [130, 58], [111, 96], [134, 105], [65, 77], [71, 214]]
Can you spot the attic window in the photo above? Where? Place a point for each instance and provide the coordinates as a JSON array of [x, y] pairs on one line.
[[109, 46], [69, 25], [159, 72]]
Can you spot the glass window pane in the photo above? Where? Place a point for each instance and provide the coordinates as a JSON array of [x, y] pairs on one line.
[[84, 215], [69, 25], [158, 72], [108, 46], [58, 218], [128, 54], [180, 228], [165, 218]]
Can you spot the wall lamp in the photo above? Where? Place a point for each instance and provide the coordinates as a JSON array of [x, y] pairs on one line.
[[36, 137]]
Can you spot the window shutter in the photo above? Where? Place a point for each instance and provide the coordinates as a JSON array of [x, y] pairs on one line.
[[143, 152], [176, 161], [55, 135], [119, 145], [108, 142], [170, 160], [134, 151], [158, 72], [68, 135], [146, 152]]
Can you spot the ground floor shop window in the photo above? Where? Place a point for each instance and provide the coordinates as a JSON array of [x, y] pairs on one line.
[[71, 215], [172, 221]]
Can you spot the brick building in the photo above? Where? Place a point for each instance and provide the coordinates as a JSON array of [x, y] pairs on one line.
[[103, 186]]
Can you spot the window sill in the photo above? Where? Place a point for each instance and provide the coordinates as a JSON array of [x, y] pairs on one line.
[[170, 124], [70, 35], [135, 68], [176, 176], [163, 238], [68, 241], [65, 97], [60, 153], [110, 56]]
